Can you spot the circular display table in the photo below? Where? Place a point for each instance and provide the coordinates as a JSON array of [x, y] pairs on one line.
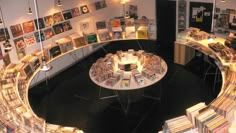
[[128, 70]]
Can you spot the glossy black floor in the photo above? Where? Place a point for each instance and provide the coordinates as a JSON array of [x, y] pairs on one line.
[[71, 98]]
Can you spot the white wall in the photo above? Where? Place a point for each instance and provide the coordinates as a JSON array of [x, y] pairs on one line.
[[15, 12], [230, 4]]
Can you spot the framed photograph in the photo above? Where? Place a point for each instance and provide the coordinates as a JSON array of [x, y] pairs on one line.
[[58, 28], [84, 26], [100, 5], [16, 30], [37, 38], [104, 35], [20, 47], [48, 33], [101, 25], [67, 14], [29, 39], [41, 23], [84, 9], [66, 26], [6, 59], [48, 21], [28, 26], [75, 12], [57, 17], [91, 38], [2, 34]]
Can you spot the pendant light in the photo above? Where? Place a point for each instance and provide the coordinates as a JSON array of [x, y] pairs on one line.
[[6, 44], [29, 9], [223, 1], [59, 3], [44, 66]]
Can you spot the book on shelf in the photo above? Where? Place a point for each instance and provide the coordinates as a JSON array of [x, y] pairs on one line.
[[116, 35], [193, 111], [142, 32], [130, 32], [78, 40], [91, 38], [104, 35], [54, 51], [116, 25]]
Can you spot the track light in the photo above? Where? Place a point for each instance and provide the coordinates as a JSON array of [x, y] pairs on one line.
[[30, 11], [223, 1], [59, 3], [45, 67]]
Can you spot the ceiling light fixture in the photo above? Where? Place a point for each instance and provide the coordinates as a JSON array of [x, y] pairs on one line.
[[223, 1], [44, 66], [59, 3], [29, 9]]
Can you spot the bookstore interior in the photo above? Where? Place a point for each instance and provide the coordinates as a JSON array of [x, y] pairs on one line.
[[40, 39]]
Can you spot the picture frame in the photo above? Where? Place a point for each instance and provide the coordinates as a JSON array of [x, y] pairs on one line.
[[48, 33], [36, 34], [75, 12], [84, 9], [49, 21], [28, 26], [58, 28], [67, 14], [100, 5], [57, 17], [29, 39], [16, 30], [41, 23], [101, 25], [2, 34]]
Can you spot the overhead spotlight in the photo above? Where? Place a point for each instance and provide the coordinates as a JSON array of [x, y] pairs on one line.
[[7, 45], [59, 3], [45, 67], [30, 11], [223, 1]]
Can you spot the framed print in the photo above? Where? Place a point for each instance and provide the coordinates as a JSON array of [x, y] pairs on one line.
[[48, 33], [6, 59], [20, 47], [41, 23], [84, 26], [16, 30], [101, 25], [36, 35], [29, 39], [66, 26], [58, 28], [84, 9], [75, 12], [91, 38], [100, 5], [57, 17], [2, 34], [67, 14], [28, 26], [48, 21], [116, 25]]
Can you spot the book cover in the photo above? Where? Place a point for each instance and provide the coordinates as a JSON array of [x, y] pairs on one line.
[[48, 33], [84, 9], [75, 12], [49, 21], [41, 23], [91, 38], [79, 41], [58, 28], [66, 26], [37, 37], [117, 35], [116, 25], [100, 4], [101, 25], [57, 17], [29, 39], [104, 35], [20, 47]]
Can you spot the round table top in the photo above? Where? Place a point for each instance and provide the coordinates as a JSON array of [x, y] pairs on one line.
[[130, 83]]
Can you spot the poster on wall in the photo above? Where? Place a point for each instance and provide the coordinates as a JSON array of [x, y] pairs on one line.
[[28, 26], [75, 12], [58, 28], [48, 33], [29, 39], [197, 14], [101, 25], [57, 17], [133, 11], [37, 37], [2, 34], [66, 26], [84, 9], [41, 23], [16, 30], [84, 26], [20, 47], [100, 5], [67, 14], [48, 21]]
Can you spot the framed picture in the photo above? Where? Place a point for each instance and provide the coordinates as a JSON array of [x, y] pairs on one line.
[[20, 47], [2, 34], [41, 23], [48, 21], [48, 33], [28, 26], [84, 26], [66, 26], [57, 17], [37, 38], [16, 30], [91, 38], [100, 5], [67, 14], [84, 9], [58, 28], [75, 12], [101, 25], [29, 39]]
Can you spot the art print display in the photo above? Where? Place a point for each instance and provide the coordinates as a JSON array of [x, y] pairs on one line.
[[2, 34], [37, 37], [84, 26], [100, 5], [116, 25], [84, 9], [20, 47], [67, 14], [57, 17], [41, 23], [58, 28], [117, 35], [66, 26], [28, 26], [16, 30], [29, 39], [91, 38], [101, 25], [75, 12], [49, 21], [104, 35], [48, 33], [6, 59], [133, 11]]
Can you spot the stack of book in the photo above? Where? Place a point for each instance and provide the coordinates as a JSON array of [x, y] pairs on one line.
[[179, 124]]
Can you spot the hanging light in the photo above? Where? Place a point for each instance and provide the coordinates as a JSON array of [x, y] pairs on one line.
[[29, 9], [44, 66], [223, 1], [59, 3], [6, 44]]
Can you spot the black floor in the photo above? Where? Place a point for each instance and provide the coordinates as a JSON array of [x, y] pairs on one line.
[[71, 98]]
